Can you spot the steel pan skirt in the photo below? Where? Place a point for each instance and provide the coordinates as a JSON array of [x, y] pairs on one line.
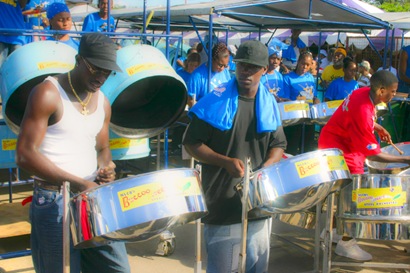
[[136, 208], [375, 206]]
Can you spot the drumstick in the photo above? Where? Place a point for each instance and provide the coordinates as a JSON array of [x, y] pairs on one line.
[[395, 147]]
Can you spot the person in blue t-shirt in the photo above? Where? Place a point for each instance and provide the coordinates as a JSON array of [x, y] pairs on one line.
[[273, 79], [97, 21], [11, 17], [340, 88], [300, 85], [296, 47], [190, 64], [198, 85], [60, 19]]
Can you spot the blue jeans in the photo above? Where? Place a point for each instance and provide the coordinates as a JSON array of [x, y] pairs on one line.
[[46, 215], [223, 244], [6, 50]]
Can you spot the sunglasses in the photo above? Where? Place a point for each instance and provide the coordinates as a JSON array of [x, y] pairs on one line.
[[95, 71]]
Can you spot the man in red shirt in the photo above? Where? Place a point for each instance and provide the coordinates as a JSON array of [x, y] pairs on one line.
[[351, 129]]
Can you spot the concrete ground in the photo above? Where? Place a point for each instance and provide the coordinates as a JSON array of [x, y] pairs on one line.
[[291, 247]]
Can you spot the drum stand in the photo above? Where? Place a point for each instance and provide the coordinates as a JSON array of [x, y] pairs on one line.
[[66, 227], [242, 253], [198, 256]]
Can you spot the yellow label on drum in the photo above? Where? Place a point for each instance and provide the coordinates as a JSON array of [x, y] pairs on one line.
[[122, 143], [8, 144], [54, 64], [334, 103], [379, 198], [156, 192], [336, 162], [308, 167], [296, 107], [146, 66]]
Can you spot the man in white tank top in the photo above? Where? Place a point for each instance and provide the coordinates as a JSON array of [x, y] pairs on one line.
[[64, 137]]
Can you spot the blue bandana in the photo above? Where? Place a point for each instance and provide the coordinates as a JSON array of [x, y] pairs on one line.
[[219, 107], [56, 8], [276, 47]]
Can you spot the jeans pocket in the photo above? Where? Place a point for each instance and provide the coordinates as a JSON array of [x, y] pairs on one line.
[[43, 198]]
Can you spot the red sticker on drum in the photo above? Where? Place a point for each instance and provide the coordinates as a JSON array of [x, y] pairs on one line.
[[157, 191]]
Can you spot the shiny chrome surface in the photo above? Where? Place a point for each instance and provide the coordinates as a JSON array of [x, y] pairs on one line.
[[25, 68], [321, 112], [294, 112], [381, 109], [390, 168], [297, 183], [136, 208], [147, 96], [375, 206], [304, 219]]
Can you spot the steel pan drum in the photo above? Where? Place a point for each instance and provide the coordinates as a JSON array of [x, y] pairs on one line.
[[27, 67], [8, 147], [294, 112], [375, 206], [148, 96], [321, 112], [136, 208], [298, 182], [390, 168], [126, 148]]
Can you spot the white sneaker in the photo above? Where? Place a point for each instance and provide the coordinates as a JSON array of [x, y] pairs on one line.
[[351, 249], [335, 237]]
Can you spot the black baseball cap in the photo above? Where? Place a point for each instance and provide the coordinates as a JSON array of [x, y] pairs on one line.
[[99, 50], [252, 52]]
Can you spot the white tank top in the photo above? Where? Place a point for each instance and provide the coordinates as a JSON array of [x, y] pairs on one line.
[[70, 143]]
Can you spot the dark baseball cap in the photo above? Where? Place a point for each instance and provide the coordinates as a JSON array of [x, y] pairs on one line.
[[252, 52], [99, 50]]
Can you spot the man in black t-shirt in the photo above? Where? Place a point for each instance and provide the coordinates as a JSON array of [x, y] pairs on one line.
[[237, 120]]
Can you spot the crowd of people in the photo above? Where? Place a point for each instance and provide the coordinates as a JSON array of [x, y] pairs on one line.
[[234, 114]]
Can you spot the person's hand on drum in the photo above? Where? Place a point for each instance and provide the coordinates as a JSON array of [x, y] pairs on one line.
[[316, 100], [383, 133], [106, 174], [235, 167]]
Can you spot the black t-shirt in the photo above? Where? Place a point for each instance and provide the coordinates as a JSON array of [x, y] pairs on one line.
[[241, 141]]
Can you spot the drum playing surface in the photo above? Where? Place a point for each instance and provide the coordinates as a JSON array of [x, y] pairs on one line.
[[136, 208]]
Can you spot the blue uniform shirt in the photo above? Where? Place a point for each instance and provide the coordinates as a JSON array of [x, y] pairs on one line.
[[339, 89], [295, 85], [198, 84]]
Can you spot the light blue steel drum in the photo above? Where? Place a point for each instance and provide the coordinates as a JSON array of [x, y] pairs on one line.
[[25, 68], [8, 146], [147, 96], [127, 148]]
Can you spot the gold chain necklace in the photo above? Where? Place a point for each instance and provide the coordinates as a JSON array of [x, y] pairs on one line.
[[83, 104]]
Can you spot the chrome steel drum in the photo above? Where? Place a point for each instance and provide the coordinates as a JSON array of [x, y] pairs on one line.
[[147, 96], [25, 68], [294, 112], [126, 148], [136, 208], [321, 112], [298, 182], [390, 168], [8, 147], [375, 206]]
